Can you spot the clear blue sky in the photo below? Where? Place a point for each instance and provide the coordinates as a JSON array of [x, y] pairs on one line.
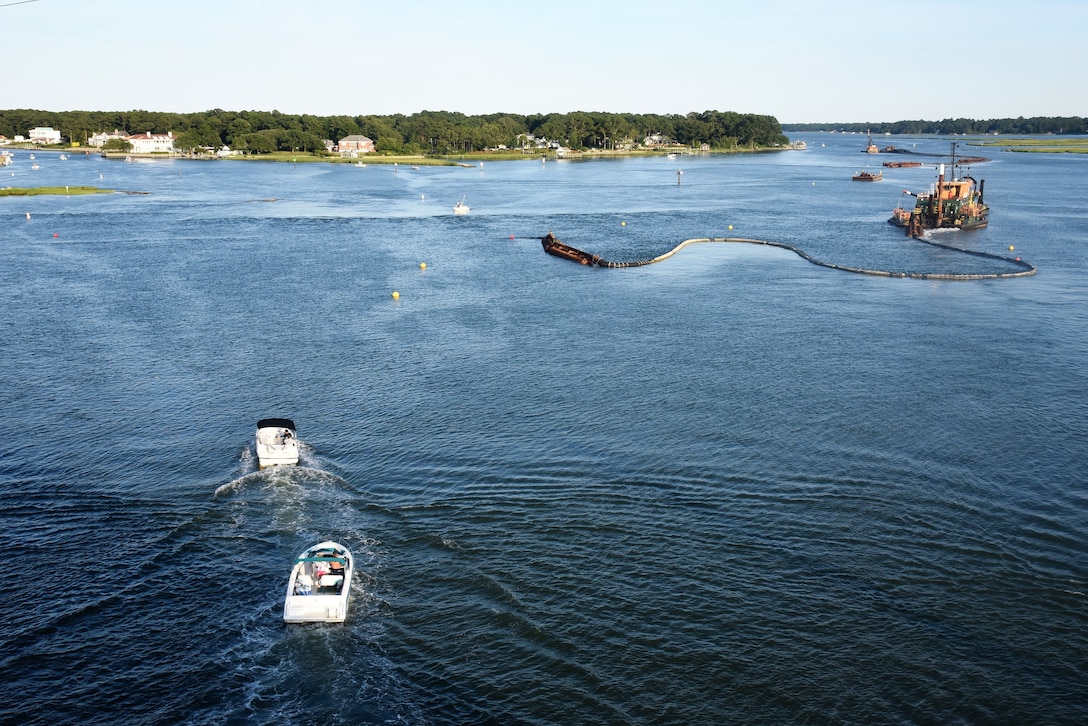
[[798, 61]]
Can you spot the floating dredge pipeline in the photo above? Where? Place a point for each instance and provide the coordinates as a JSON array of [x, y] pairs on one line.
[[553, 246]]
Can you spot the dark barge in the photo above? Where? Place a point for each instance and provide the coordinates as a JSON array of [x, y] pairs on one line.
[[553, 246]]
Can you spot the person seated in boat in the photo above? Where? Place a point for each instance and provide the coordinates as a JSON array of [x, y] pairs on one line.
[[336, 567], [286, 435]]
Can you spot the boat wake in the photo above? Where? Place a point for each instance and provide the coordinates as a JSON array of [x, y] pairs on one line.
[[270, 663], [279, 476], [248, 469]]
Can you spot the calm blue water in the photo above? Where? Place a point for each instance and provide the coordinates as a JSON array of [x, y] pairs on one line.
[[731, 487]]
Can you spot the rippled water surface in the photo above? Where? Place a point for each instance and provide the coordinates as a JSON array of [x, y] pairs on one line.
[[730, 487]]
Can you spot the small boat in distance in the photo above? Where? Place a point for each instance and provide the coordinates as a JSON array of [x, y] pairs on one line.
[[319, 585], [461, 207], [868, 176], [871, 148], [277, 444]]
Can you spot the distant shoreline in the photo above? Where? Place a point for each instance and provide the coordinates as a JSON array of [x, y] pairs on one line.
[[458, 160], [1036, 143]]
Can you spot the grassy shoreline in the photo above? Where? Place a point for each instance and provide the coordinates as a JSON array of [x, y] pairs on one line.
[[1055, 145], [63, 191]]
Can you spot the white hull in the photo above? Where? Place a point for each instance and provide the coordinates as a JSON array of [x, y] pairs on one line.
[[277, 444], [316, 592]]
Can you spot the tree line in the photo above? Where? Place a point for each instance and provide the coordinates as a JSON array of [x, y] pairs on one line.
[[426, 132], [1031, 126]]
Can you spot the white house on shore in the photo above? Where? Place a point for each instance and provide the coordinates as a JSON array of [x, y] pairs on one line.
[[149, 143], [103, 136], [44, 135]]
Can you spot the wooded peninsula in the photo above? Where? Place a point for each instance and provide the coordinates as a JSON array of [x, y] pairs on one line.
[[446, 133], [426, 132]]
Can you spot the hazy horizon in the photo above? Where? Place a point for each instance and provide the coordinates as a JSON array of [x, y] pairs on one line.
[[797, 62]]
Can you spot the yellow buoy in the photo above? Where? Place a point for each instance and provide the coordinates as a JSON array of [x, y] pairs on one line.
[[1011, 247], [730, 228], [623, 224], [396, 295], [423, 265]]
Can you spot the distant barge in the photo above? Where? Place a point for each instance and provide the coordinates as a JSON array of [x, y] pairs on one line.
[[893, 150]]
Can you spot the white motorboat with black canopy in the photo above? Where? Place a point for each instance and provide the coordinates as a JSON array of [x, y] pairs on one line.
[[277, 443], [320, 582]]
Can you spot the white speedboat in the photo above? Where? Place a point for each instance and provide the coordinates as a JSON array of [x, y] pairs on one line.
[[320, 582], [461, 207], [276, 442]]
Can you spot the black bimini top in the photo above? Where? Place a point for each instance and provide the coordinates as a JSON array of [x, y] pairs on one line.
[[278, 423]]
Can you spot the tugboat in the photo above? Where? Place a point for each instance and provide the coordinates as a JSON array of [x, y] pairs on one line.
[[953, 204], [871, 148]]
